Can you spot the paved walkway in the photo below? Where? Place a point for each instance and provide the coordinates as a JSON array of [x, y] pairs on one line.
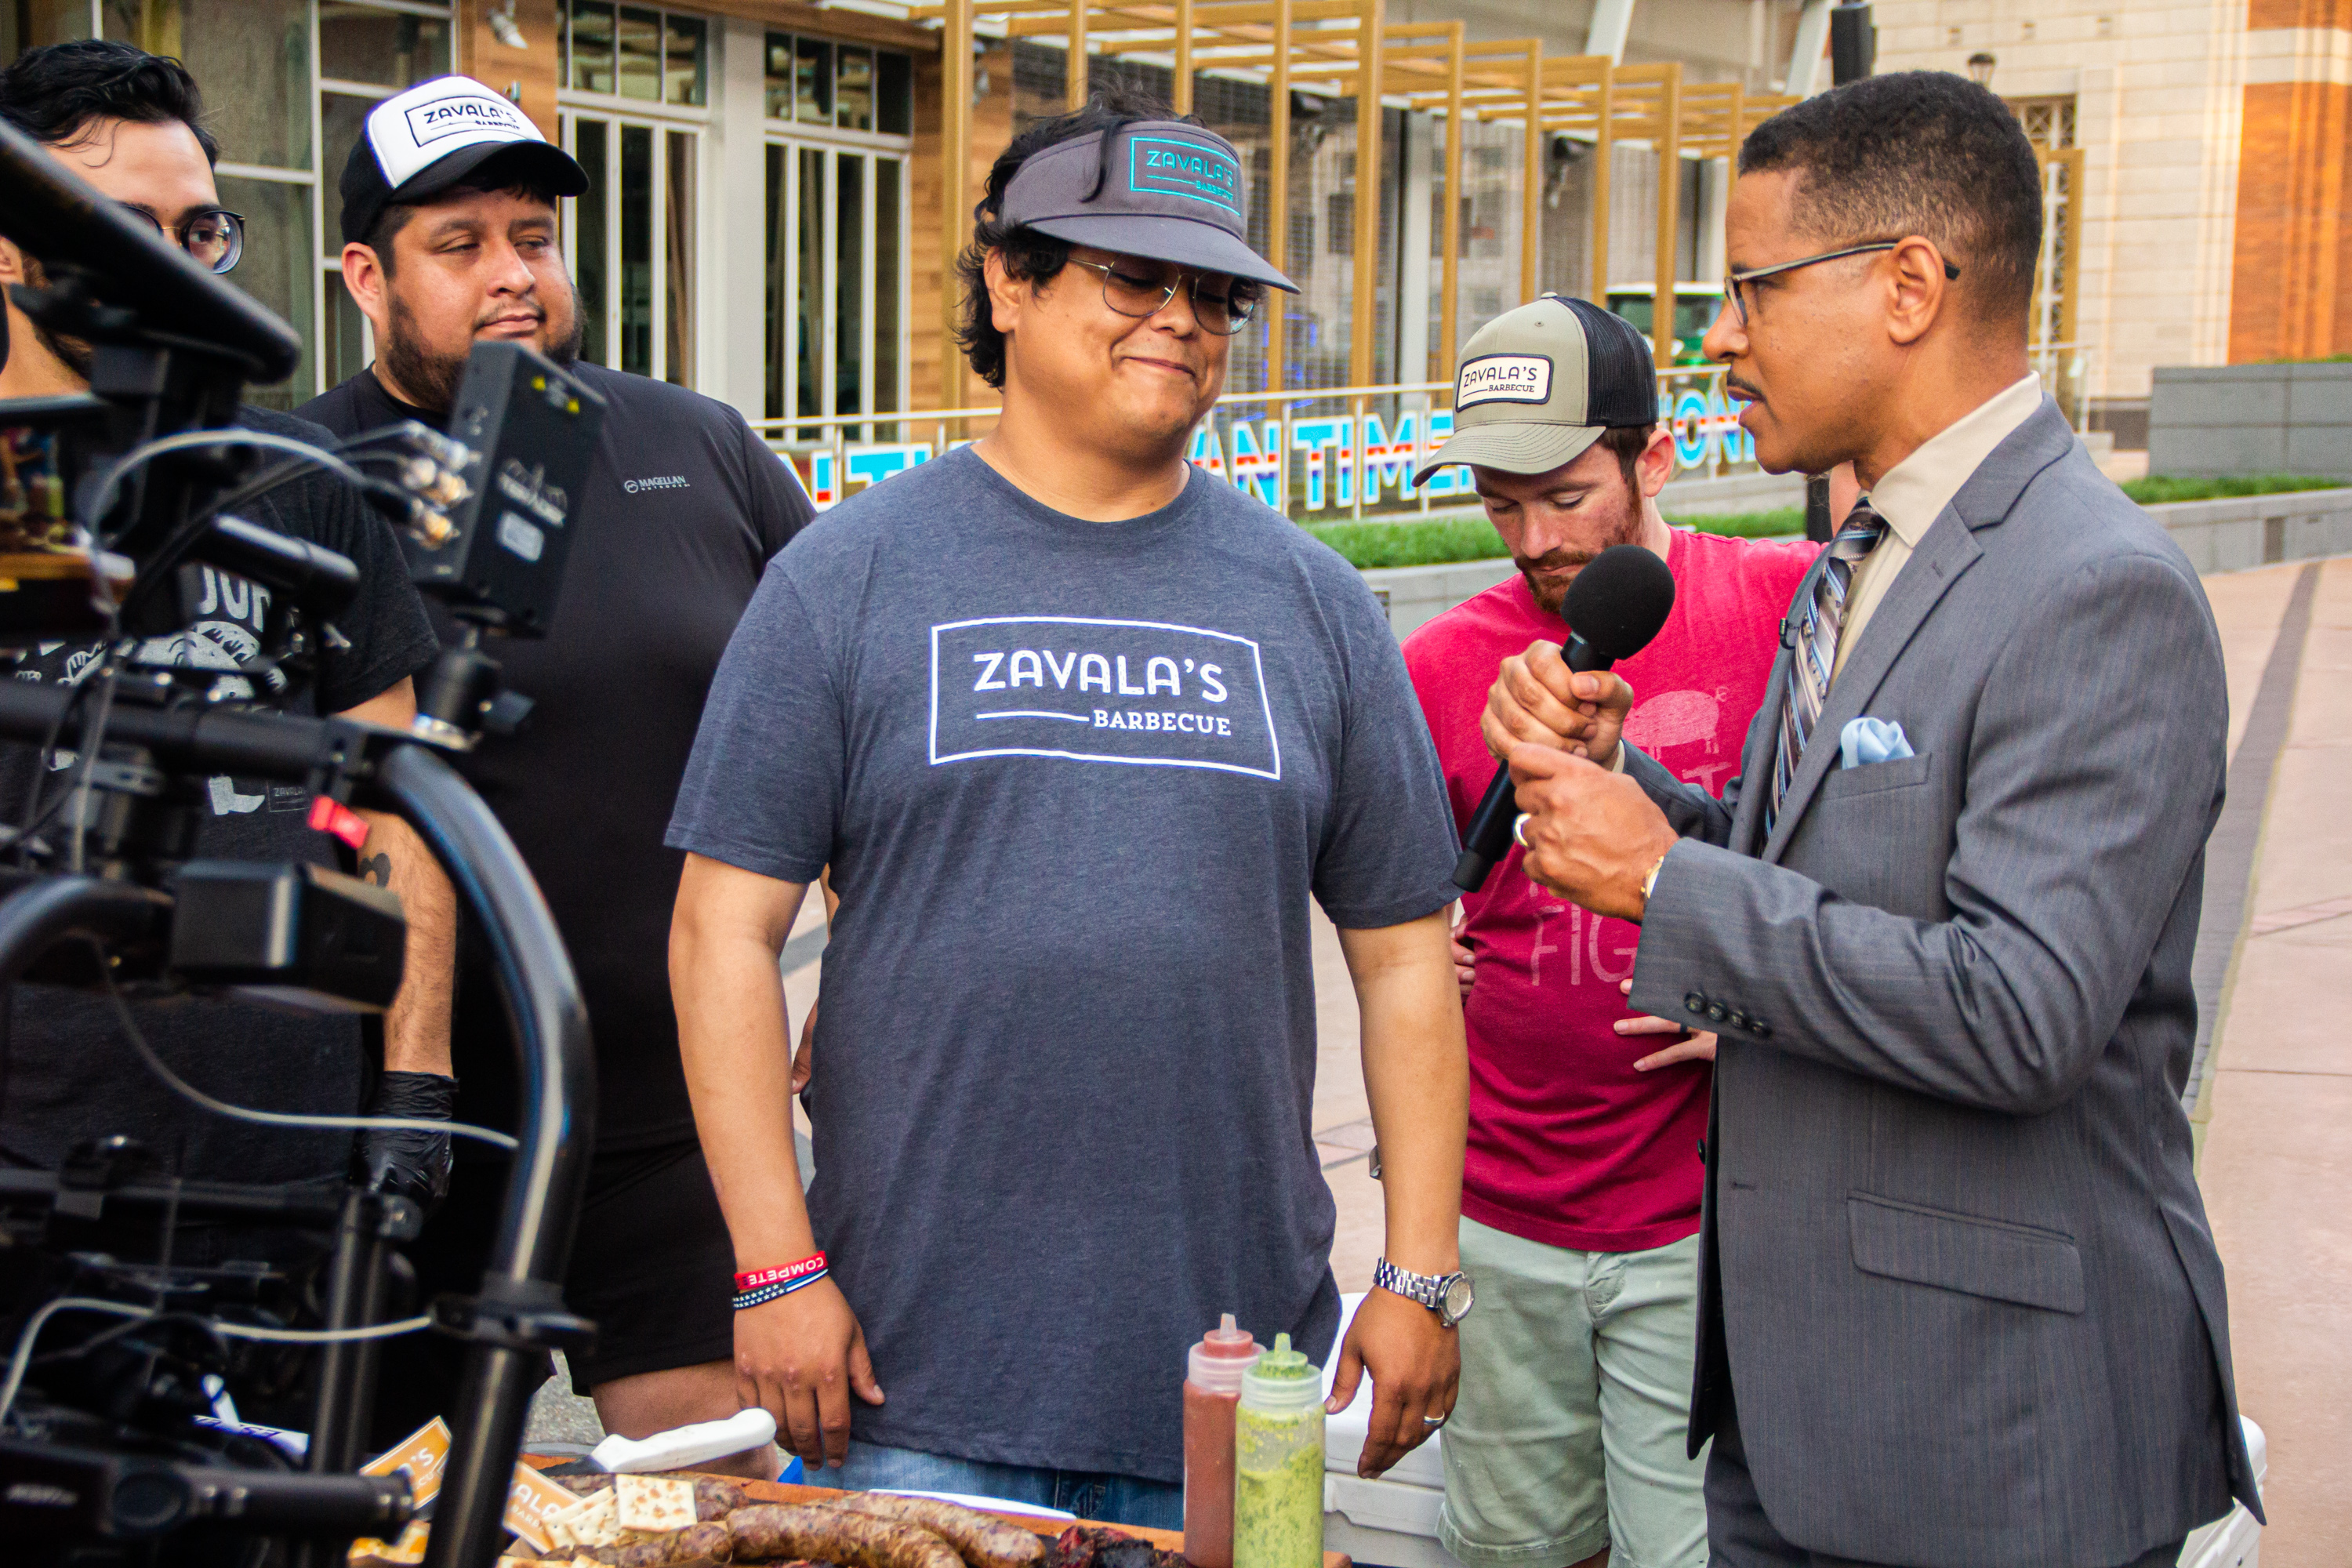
[[2277, 1165], [2277, 1114]]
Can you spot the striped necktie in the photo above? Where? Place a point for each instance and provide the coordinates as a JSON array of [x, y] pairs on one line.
[[1817, 645]]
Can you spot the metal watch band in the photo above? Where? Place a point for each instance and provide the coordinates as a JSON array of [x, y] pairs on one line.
[[1429, 1290]]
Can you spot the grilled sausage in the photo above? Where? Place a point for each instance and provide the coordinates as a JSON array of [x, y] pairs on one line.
[[981, 1542], [695, 1546], [765, 1531]]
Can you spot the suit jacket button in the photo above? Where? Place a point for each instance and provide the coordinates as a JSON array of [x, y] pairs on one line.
[[1718, 1011], [1702, 1151], [1738, 1020], [1694, 1003], [1760, 1028]]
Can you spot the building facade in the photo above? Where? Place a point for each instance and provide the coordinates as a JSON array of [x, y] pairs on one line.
[[768, 224], [2212, 138]]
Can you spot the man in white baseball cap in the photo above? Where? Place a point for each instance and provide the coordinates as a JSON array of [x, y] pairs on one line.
[[450, 222]]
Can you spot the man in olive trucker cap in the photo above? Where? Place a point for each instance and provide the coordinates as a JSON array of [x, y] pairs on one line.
[[1580, 1186], [1079, 729]]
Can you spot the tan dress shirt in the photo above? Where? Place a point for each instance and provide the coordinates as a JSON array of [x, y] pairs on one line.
[[1913, 493]]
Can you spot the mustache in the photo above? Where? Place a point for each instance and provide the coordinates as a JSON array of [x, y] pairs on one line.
[[1554, 560], [1733, 383]]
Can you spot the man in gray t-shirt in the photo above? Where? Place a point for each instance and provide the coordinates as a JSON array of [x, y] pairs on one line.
[[1079, 731]]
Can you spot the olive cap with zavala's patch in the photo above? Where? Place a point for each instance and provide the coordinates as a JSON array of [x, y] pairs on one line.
[[420, 142], [1538, 386], [1158, 189]]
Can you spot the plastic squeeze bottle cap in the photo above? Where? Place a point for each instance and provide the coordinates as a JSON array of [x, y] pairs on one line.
[[1283, 1379], [1224, 1352]]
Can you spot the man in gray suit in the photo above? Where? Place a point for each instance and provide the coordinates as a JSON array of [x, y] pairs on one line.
[[1958, 1302]]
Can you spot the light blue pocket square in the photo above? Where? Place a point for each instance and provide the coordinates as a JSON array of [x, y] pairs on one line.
[[1867, 740]]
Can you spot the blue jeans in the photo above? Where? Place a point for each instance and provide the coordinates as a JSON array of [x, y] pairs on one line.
[[1089, 1494]]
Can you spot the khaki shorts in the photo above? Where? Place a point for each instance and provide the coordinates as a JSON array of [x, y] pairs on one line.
[[1574, 1411]]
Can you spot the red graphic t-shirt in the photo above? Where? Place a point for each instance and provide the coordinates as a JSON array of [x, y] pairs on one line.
[[1568, 1145]]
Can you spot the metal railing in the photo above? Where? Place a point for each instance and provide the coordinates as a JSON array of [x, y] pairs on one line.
[[1334, 451]]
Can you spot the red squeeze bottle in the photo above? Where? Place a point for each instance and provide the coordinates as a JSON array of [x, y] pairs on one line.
[[1212, 1393]]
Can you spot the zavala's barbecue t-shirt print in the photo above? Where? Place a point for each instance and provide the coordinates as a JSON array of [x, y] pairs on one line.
[[1134, 693], [1076, 782]]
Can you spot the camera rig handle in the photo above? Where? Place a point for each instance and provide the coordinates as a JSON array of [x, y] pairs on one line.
[[519, 1310]]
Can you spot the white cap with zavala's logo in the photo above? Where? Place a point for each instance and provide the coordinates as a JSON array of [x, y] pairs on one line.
[[1163, 190], [420, 142], [1538, 386]]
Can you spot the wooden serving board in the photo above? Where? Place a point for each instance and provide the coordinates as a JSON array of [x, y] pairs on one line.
[[1172, 1540]]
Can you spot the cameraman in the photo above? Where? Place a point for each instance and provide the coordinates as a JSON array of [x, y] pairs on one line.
[[450, 242], [129, 123]]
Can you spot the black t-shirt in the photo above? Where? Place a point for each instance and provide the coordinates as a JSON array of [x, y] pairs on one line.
[[681, 510], [69, 1074]]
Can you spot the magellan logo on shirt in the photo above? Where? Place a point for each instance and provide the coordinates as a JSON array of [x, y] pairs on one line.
[[657, 482], [1504, 378], [1139, 693]]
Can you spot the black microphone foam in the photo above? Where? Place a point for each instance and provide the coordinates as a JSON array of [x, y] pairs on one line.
[[1617, 604], [1618, 601]]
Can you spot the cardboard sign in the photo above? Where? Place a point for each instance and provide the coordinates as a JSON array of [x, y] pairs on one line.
[[423, 1454], [532, 1502]]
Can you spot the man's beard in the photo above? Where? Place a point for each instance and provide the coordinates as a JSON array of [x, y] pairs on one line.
[[1549, 596], [432, 378], [72, 352]]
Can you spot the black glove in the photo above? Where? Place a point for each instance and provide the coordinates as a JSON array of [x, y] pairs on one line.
[[407, 1162]]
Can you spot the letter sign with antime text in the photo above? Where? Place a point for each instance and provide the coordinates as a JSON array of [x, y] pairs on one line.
[[1133, 693]]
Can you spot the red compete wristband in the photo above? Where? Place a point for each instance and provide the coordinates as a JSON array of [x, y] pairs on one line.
[[784, 1275]]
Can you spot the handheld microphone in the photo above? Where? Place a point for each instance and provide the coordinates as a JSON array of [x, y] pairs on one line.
[[1615, 606]]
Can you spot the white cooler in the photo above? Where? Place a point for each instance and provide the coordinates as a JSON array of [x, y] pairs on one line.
[[1393, 1522]]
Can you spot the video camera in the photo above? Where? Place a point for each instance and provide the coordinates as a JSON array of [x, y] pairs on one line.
[[113, 1448]]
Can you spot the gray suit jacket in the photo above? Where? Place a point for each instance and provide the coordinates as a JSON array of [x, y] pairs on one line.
[[1954, 1259]]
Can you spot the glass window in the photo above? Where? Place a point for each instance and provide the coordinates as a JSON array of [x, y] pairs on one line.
[[812, 81], [887, 250], [777, 253], [849, 283], [640, 39], [342, 119], [685, 67], [809, 309], [346, 349], [590, 216], [29, 24], [893, 109], [588, 40], [254, 57], [779, 76], [636, 267], [279, 269], [853, 96], [386, 48], [677, 262]]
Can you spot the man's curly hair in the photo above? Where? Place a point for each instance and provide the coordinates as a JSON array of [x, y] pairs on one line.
[[1032, 257]]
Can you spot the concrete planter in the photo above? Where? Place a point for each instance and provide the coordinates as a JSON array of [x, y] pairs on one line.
[[2217, 536], [2211, 420]]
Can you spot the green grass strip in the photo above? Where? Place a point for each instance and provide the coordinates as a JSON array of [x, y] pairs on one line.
[[1442, 538], [2159, 489]]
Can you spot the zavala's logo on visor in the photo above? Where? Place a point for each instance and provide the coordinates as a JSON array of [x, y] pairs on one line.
[[1135, 693], [1158, 166]]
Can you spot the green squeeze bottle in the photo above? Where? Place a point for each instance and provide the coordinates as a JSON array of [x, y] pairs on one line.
[[1279, 1463]]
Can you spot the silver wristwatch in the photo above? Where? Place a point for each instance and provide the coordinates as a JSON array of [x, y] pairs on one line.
[[1447, 1295]]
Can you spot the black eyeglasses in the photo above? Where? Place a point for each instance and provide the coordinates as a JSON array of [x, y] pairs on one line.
[[1142, 290], [1732, 282], [214, 238]]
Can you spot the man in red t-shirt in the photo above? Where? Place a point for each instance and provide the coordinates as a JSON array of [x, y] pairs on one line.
[[1580, 1190]]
